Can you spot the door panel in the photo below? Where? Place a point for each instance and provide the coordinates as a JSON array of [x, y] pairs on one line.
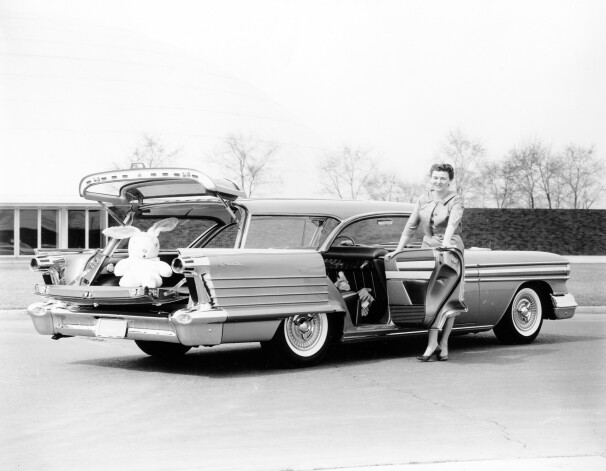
[[422, 283]]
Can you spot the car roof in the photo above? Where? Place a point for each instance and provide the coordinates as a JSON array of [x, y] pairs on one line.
[[341, 209]]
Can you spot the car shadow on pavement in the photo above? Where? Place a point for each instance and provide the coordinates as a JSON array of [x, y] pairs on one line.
[[483, 348], [223, 361], [243, 360]]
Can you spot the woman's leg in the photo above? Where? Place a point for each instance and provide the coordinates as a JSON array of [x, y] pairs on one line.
[[445, 334], [432, 342]]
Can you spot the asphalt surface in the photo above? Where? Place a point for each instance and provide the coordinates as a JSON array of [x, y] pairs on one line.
[[102, 404]]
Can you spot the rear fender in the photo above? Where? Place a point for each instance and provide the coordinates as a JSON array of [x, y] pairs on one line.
[[257, 284]]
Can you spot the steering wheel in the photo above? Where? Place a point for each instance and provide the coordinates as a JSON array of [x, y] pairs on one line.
[[346, 242]]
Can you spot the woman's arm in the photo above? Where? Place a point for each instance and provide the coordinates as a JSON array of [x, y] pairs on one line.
[[448, 233], [409, 230], [454, 219]]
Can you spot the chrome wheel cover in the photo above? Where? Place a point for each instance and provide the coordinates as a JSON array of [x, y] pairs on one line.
[[306, 334], [526, 312]]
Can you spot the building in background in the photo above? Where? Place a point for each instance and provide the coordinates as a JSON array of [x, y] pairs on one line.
[[26, 226]]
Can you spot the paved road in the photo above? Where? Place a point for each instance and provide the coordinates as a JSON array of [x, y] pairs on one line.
[[101, 404]]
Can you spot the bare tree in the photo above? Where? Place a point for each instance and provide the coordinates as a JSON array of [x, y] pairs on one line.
[[501, 179], [152, 153], [411, 190], [527, 159], [550, 171], [464, 155], [248, 160], [384, 186], [347, 172], [583, 175], [531, 175]]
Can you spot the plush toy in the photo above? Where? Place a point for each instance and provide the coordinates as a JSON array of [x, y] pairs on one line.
[[142, 267]]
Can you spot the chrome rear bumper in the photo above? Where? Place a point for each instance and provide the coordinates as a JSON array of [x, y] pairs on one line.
[[200, 325]]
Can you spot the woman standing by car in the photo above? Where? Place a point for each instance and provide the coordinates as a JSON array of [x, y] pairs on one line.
[[438, 212]]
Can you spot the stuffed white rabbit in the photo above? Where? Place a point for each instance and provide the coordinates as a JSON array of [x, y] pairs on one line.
[[142, 267]]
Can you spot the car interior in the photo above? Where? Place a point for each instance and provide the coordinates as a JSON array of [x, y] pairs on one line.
[[363, 268]]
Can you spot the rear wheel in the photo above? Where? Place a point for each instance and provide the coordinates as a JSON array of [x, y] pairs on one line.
[[523, 319], [301, 340], [162, 349]]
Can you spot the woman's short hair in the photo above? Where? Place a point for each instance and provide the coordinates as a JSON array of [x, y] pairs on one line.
[[442, 168]]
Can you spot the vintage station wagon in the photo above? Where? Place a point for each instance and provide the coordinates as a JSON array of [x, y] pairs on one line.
[[296, 275]]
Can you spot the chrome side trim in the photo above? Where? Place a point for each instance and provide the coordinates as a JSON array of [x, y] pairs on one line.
[[416, 265], [475, 327], [393, 332], [408, 275], [295, 302], [519, 264], [553, 270], [270, 295], [285, 285], [267, 277], [520, 278]]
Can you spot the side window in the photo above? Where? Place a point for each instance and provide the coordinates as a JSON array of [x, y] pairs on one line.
[[327, 228], [382, 231], [288, 231], [224, 239]]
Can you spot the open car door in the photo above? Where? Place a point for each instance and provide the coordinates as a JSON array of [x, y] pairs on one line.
[[422, 283]]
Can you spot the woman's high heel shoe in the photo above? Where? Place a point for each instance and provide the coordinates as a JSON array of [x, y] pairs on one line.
[[436, 352], [442, 357]]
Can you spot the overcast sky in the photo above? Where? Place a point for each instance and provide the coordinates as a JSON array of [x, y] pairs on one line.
[[82, 81]]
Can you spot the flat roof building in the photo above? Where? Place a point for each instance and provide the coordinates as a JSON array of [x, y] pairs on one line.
[[26, 226]]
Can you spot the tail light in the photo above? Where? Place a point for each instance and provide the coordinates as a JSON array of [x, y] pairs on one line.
[[46, 262], [50, 265], [200, 286], [183, 265]]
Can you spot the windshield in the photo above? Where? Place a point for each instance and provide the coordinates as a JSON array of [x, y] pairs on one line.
[[382, 231], [279, 232]]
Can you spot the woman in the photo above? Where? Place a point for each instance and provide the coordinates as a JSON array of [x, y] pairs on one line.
[[439, 214]]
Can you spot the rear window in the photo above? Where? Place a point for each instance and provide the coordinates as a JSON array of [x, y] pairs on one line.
[[193, 222]]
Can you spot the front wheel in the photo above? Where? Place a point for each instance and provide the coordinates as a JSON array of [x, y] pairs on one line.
[[162, 349], [301, 340], [523, 319]]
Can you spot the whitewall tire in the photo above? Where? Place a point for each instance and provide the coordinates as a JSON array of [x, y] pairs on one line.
[[523, 320], [301, 340]]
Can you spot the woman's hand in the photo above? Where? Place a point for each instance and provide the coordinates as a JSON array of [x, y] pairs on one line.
[[389, 255]]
